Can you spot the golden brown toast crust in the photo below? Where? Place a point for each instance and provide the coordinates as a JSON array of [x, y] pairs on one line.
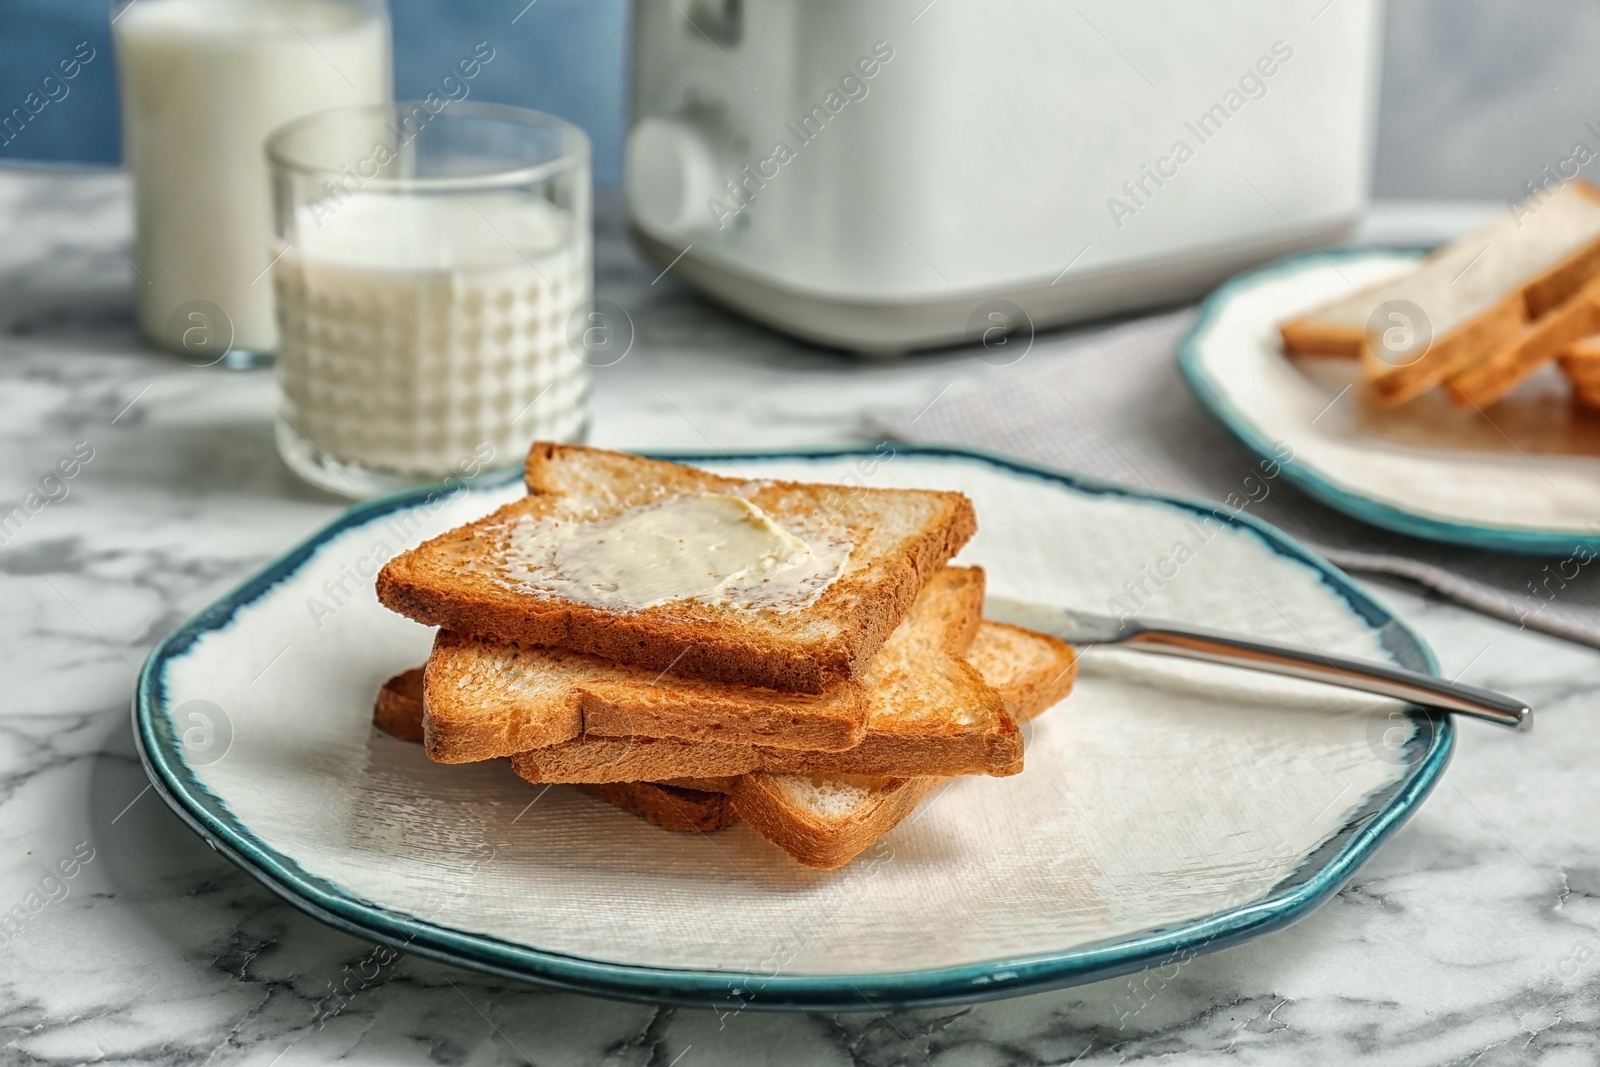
[[398, 709], [1585, 350], [1391, 386], [965, 730], [1031, 671], [1307, 338], [488, 698], [695, 641], [997, 752], [1580, 362], [826, 844], [667, 806], [1533, 346], [639, 759], [688, 804], [1560, 283]]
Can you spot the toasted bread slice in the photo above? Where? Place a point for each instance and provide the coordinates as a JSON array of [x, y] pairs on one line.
[[399, 712], [605, 759], [928, 712], [398, 709], [1530, 348], [1031, 671], [826, 821], [1585, 351], [1476, 293], [823, 821], [501, 576], [1580, 362], [684, 804], [668, 806], [487, 698]]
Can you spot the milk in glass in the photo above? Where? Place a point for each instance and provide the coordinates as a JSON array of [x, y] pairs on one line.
[[422, 334]]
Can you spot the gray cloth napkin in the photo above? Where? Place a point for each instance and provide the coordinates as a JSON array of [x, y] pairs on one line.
[[1115, 407]]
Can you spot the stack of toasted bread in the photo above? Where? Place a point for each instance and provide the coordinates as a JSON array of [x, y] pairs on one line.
[[1481, 314], [817, 694]]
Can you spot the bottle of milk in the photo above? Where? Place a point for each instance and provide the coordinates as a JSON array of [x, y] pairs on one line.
[[203, 82]]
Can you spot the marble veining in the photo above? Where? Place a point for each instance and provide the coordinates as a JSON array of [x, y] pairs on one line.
[[1473, 937]]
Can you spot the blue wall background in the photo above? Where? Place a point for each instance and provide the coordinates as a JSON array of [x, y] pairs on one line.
[[1476, 97], [567, 57]]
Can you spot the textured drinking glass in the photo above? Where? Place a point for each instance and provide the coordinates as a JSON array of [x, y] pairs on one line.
[[428, 266]]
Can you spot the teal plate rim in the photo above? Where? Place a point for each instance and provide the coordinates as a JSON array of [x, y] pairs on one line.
[[1317, 483], [1323, 873]]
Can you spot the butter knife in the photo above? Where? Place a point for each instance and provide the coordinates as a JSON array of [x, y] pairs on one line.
[[1235, 650]]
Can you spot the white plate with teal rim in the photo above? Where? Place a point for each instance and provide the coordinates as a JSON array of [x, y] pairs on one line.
[[1520, 476], [1166, 809]]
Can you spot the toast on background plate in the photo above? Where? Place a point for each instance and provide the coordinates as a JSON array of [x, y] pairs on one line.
[[1536, 344], [1478, 293], [929, 712], [1580, 362], [781, 585]]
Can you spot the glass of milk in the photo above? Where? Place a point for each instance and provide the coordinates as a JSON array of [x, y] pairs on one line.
[[429, 266], [202, 83]]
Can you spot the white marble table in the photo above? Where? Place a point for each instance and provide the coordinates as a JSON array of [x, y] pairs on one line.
[[1472, 938]]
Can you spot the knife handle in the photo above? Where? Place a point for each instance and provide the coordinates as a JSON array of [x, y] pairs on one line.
[[1424, 689]]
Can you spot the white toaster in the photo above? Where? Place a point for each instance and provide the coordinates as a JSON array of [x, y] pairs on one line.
[[899, 174]]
